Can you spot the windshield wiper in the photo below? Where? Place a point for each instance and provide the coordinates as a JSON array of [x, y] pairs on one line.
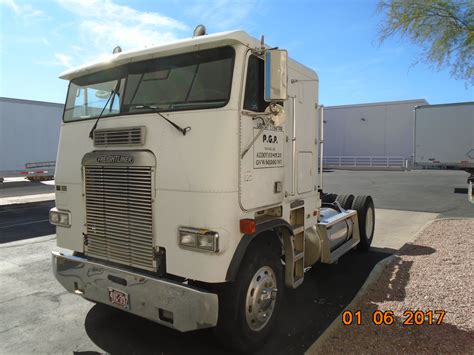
[[155, 109], [112, 95]]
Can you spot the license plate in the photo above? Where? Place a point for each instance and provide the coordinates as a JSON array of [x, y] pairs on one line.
[[118, 298]]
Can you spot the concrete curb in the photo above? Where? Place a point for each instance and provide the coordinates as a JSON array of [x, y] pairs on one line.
[[26, 199], [373, 276], [454, 219], [28, 241]]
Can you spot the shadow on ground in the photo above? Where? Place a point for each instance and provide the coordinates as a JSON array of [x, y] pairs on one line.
[[306, 313]]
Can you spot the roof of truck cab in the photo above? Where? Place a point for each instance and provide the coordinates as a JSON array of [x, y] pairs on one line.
[[171, 48]]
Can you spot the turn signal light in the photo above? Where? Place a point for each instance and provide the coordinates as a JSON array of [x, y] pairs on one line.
[[248, 226]]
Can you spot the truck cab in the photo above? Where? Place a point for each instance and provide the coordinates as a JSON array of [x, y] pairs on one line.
[[189, 185]]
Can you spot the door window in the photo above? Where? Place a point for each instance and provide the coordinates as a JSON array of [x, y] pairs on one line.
[[253, 100]]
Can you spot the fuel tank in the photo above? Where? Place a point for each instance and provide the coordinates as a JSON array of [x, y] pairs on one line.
[[339, 232]]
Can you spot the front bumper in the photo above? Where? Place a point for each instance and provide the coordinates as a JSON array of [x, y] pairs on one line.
[[186, 308]]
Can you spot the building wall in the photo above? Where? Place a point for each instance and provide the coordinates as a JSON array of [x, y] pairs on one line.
[[377, 129], [29, 132]]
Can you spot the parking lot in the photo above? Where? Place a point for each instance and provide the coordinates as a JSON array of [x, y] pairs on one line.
[[417, 190], [39, 316]]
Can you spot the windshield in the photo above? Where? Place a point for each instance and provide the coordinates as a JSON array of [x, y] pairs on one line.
[[196, 80]]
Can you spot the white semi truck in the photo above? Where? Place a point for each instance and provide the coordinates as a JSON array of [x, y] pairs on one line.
[[189, 185]]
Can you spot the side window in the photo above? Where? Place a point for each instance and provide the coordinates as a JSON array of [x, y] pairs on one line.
[[253, 100]]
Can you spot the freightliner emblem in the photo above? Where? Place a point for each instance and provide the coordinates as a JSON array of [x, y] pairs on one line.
[[115, 159]]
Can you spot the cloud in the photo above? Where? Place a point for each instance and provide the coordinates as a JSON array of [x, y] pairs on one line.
[[24, 10], [224, 14], [101, 25], [107, 35], [60, 60], [106, 10], [64, 59], [107, 24]]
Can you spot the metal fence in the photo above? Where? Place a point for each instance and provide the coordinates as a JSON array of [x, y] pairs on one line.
[[372, 162]]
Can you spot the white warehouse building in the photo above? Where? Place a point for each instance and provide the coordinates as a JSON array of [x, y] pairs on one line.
[[370, 135]]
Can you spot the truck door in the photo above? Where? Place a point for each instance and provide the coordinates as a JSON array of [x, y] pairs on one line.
[[262, 166]]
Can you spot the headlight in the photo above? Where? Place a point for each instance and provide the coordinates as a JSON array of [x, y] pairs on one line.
[[187, 239], [206, 241], [198, 239], [60, 218]]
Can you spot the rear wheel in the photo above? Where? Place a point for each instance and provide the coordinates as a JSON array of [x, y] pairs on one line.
[[345, 201], [364, 205], [329, 198], [248, 307]]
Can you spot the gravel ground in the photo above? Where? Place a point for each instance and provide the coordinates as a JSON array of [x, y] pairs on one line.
[[435, 272]]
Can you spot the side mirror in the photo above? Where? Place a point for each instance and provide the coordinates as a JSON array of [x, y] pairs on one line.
[[276, 75]]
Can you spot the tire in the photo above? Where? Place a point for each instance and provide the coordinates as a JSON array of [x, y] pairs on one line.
[[345, 201], [240, 325], [329, 198], [364, 205]]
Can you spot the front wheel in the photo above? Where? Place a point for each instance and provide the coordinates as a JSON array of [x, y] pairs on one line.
[[248, 307]]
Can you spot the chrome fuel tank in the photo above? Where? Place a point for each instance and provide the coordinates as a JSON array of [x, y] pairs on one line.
[[339, 232]]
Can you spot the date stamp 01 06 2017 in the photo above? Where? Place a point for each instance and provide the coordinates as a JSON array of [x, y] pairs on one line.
[[378, 317]]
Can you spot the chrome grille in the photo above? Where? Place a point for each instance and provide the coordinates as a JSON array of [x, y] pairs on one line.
[[119, 136], [119, 214]]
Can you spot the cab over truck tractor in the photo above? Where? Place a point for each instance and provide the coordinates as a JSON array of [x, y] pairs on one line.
[[189, 185]]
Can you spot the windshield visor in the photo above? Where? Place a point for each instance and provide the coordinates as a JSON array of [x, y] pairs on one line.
[[196, 80]]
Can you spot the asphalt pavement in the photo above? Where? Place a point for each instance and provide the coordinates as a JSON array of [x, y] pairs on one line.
[[36, 307], [306, 313], [21, 187], [38, 315], [24, 221], [416, 190]]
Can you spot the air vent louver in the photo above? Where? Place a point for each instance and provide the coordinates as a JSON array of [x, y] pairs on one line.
[[119, 214], [119, 136]]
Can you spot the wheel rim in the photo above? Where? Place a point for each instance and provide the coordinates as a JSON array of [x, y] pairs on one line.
[[369, 222], [261, 298]]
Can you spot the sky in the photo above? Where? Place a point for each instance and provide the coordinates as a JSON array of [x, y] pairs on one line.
[[39, 39]]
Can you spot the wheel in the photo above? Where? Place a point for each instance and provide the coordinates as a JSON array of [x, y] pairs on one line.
[[329, 198], [364, 205], [249, 306], [345, 201]]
